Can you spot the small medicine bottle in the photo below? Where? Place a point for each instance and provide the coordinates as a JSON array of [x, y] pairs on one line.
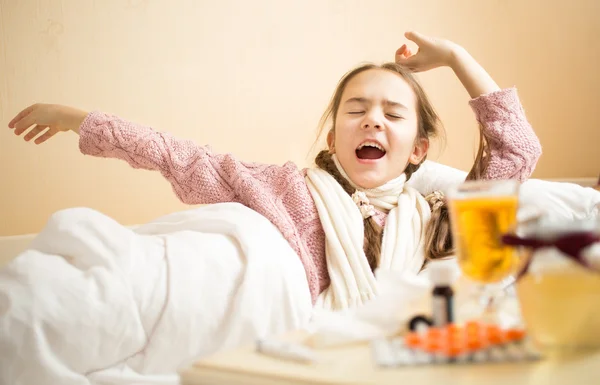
[[442, 277]]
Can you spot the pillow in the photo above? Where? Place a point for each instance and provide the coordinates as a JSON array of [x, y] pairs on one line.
[[558, 200], [433, 176], [561, 200]]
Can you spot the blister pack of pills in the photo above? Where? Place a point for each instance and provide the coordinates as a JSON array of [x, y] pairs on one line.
[[469, 344]]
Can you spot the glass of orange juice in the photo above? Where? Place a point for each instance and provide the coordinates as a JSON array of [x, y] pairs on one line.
[[481, 212]]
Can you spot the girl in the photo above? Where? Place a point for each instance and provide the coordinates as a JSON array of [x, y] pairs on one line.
[[351, 214], [334, 216]]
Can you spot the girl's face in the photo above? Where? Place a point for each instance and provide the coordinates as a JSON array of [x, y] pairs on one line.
[[375, 135]]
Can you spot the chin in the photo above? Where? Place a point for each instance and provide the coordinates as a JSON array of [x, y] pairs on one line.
[[367, 181]]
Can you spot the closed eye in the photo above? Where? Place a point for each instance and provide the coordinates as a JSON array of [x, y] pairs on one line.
[[391, 116], [355, 112]]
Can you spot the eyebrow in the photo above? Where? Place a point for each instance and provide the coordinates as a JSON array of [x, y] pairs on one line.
[[386, 102]]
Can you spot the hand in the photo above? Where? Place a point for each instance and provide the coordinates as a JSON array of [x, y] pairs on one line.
[[53, 117], [432, 53]]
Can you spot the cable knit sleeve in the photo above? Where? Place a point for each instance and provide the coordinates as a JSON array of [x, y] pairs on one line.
[[514, 147], [194, 172]]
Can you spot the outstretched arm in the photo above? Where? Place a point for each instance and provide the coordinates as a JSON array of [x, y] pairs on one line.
[[196, 174]]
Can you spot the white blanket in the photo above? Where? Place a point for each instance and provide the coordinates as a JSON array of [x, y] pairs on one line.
[[93, 302]]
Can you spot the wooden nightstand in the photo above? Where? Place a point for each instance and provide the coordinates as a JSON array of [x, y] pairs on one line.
[[354, 365]]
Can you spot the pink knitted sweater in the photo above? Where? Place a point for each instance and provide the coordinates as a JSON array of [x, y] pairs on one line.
[[280, 193]]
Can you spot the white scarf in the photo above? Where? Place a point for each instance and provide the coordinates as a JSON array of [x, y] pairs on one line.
[[352, 281]]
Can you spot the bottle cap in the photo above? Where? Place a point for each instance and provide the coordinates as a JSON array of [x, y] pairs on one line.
[[441, 274]]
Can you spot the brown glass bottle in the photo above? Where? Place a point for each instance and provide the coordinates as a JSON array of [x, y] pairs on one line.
[[442, 312]]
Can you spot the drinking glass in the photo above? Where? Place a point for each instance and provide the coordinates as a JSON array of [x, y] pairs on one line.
[[481, 212]]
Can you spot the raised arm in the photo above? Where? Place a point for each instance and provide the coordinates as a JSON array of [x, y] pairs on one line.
[[513, 147]]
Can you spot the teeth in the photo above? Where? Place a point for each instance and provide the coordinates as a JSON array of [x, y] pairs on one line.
[[371, 144]]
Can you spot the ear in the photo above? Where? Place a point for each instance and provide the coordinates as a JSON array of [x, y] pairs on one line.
[[419, 151], [331, 141]]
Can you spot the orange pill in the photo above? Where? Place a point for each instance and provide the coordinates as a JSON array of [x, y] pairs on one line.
[[476, 342], [453, 329], [515, 334], [473, 328], [455, 333], [474, 345], [434, 333], [412, 340], [452, 351], [456, 337], [433, 345], [496, 337]]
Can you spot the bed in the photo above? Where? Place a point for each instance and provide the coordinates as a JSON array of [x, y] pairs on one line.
[[149, 318]]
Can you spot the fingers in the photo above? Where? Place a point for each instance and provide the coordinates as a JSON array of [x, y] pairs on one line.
[[400, 51], [23, 124], [21, 115], [411, 62], [403, 53], [47, 135], [34, 132], [33, 116], [415, 36]]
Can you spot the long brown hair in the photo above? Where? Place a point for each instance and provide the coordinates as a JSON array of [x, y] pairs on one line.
[[438, 235]]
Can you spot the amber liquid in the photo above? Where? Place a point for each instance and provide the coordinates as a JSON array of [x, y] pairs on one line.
[[560, 309], [478, 225]]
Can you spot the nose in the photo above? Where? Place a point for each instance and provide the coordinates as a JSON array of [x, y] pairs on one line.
[[373, 119]]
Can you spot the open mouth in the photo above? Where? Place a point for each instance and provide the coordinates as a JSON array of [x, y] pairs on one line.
[[370, 150]]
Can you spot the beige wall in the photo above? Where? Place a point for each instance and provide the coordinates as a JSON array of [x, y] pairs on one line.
[[252, 78]]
